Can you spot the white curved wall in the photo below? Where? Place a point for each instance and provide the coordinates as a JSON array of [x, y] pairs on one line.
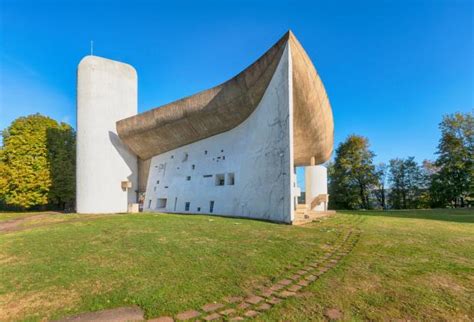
[[106, 93], [316, 182], [258, 153]]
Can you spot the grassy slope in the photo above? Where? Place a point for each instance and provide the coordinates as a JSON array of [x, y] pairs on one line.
[[416, 265]]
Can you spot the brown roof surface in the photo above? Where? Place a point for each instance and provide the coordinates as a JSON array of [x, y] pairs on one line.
[[225, 106]]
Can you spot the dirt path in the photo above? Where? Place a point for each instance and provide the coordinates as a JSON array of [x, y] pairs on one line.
[[16, 224]]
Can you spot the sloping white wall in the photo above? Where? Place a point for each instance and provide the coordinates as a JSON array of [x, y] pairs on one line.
[[106, 93], [257, 153]]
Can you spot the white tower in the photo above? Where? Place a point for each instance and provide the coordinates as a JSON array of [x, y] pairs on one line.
[[106, 169]]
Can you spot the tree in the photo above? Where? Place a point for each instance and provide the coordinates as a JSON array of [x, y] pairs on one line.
[[26, 161], [407, 184], [453, 184], [381, 172], [352, 174], [61, 144]]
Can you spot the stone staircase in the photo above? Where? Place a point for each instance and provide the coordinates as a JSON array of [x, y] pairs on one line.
[[304, 215]]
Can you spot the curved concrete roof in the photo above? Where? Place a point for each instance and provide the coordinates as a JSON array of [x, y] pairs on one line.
[[223, 107]]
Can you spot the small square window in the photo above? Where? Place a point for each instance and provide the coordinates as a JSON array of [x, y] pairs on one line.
[[188, 178], [172, 157], [220, 179], [205, 152], [157, 181], [222, 150], [187, 205], [199, 209]]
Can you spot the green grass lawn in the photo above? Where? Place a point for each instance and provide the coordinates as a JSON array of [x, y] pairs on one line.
[[416, 265]]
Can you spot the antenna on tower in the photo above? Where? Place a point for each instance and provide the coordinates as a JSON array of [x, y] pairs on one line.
[[92, 48]]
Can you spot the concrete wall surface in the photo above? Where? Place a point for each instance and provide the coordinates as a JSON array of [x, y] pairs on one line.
[[106, 93], [246, 171]]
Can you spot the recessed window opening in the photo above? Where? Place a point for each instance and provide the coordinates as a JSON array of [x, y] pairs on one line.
[[193, 166], [222, 150], [223, 157], [230, 179], [207, 176], [188, 178], [157, 181], [172, 157], [211, 206], [220, 179], [166, 187], [161, 203], [154, 188], [149, 203], [205, 152], [187, 204], [185, 157], [199, 209]]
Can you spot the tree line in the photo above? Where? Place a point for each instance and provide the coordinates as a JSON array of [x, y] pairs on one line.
[[37, 169], [37, 165], [355, 182]]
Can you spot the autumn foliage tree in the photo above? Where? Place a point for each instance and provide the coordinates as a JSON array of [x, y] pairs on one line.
[[37, 163]]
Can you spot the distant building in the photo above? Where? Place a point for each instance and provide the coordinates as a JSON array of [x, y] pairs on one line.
[[231, 150]]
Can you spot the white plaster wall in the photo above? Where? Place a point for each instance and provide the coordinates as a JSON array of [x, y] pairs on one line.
[[258, 152], [316, 181], [106, 93]]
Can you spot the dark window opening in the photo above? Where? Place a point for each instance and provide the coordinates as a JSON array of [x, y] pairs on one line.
[[205, 152], [207, 175], [188, 178], [222, 150], [157, 181], [166, 187], [220, 179], [223, 157], [172, 157], [193, 166], [187, 205], [199, 209], [211, 206]]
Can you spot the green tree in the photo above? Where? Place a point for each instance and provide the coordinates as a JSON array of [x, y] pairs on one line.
[[25, 161], [352, 175], [61, 143], [407, 184], [453, 183]]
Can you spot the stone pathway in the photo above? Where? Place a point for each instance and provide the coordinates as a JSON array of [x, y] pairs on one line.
[[237, 308]]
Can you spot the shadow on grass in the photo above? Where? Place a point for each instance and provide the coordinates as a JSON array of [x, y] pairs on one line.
[[453, 215]]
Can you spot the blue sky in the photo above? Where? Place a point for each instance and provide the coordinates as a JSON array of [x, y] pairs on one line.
[[391, 68]]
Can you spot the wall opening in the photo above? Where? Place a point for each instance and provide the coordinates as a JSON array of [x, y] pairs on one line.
[[220, 179], [161, 203], [230, 179], [175, 202], [188, 178], [211, 206], [187, 204]]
